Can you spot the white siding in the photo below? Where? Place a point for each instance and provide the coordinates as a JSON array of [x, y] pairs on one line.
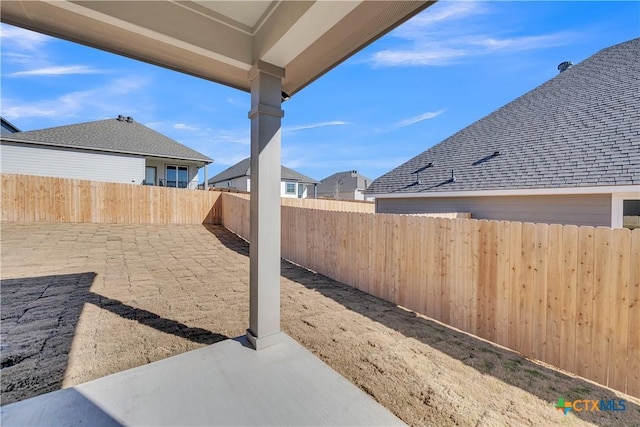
[[244, 183], [69, 163], [241, 183], [584, 209]]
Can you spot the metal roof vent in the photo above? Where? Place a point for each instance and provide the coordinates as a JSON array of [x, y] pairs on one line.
[[120, 118], [564, 66], [129, 119]]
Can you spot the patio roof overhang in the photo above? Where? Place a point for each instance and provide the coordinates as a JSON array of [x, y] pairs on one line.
[[265, 47], [220, 40]]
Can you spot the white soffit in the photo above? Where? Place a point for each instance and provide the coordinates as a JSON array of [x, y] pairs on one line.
[[158, 34], [306, 30], [245, 15], [219, 40]]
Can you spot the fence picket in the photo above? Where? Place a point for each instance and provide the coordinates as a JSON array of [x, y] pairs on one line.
[[584, 324]]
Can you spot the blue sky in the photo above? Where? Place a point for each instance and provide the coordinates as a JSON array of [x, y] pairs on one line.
[[439, 72]]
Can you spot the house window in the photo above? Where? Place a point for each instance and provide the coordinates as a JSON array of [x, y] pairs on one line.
[[150, 175], [300, 191], [290, 188], [631, 214], [177, 176]]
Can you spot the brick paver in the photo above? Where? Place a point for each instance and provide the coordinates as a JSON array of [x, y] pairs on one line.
[[80, 301]]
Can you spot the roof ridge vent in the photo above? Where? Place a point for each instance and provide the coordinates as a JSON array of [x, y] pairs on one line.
[[564, 66]]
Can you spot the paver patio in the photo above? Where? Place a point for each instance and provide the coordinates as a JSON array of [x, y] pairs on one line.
[[81, 301]]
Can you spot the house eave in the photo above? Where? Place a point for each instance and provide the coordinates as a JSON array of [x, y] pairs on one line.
[[611, 189], [104, 150]]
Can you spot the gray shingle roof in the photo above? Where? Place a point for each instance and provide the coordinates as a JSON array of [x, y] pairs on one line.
[[242, 168], [346, 181], [579, 129], [111, 135]]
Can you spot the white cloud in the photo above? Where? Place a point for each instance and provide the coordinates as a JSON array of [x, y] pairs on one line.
[[60, 70], [21, 39], [224, 137], [184, 126], [412, 120], [441, 12], [110, 99], [433, 39], [313, 126], [433, 55]]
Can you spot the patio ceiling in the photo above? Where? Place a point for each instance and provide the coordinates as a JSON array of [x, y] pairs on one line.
[[220, 40]]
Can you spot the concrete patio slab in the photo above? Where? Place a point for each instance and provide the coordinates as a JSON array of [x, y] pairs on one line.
[[226, 383]]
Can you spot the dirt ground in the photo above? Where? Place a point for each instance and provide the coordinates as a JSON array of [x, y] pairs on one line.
[[80, 301]]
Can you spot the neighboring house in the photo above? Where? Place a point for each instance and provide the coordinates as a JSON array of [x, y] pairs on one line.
[[567, 152], [7, 127], [238, 176], [112, 150], [344, 185]]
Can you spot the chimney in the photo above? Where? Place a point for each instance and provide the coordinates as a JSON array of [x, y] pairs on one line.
[[564, 66]]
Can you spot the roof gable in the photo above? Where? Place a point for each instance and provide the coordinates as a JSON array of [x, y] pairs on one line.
[[581, 128], [111, 135], [242, 168], [8, 127], [347, 180]]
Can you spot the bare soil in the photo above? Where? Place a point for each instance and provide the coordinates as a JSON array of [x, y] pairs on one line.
[[81, 301]]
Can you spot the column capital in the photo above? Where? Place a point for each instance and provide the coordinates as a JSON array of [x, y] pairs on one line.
[[265, 67], [267, 110]]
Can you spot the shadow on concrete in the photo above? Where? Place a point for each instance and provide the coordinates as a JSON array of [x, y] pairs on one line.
[[39, 316], [505, 365], [56, 406]]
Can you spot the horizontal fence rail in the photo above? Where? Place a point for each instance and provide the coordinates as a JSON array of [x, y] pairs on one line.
[[566, 295], [331, 205], [37, 198]]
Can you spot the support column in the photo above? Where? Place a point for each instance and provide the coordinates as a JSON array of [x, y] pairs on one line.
[[264, 232], [206, 184]]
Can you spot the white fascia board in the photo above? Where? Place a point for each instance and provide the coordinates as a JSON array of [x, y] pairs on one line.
[[319, 19], [98, 149], [101, 17], [519, 192]]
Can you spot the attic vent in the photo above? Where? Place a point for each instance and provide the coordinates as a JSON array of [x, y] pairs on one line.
[[564, 66], [120, 117], [129, 119], [428, 165]]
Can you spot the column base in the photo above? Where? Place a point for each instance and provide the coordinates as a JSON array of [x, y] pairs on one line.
[[264, 342]]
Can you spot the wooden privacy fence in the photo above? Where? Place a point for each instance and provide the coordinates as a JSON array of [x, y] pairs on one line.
[[36, 198], [566, 295], [235, 209]]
